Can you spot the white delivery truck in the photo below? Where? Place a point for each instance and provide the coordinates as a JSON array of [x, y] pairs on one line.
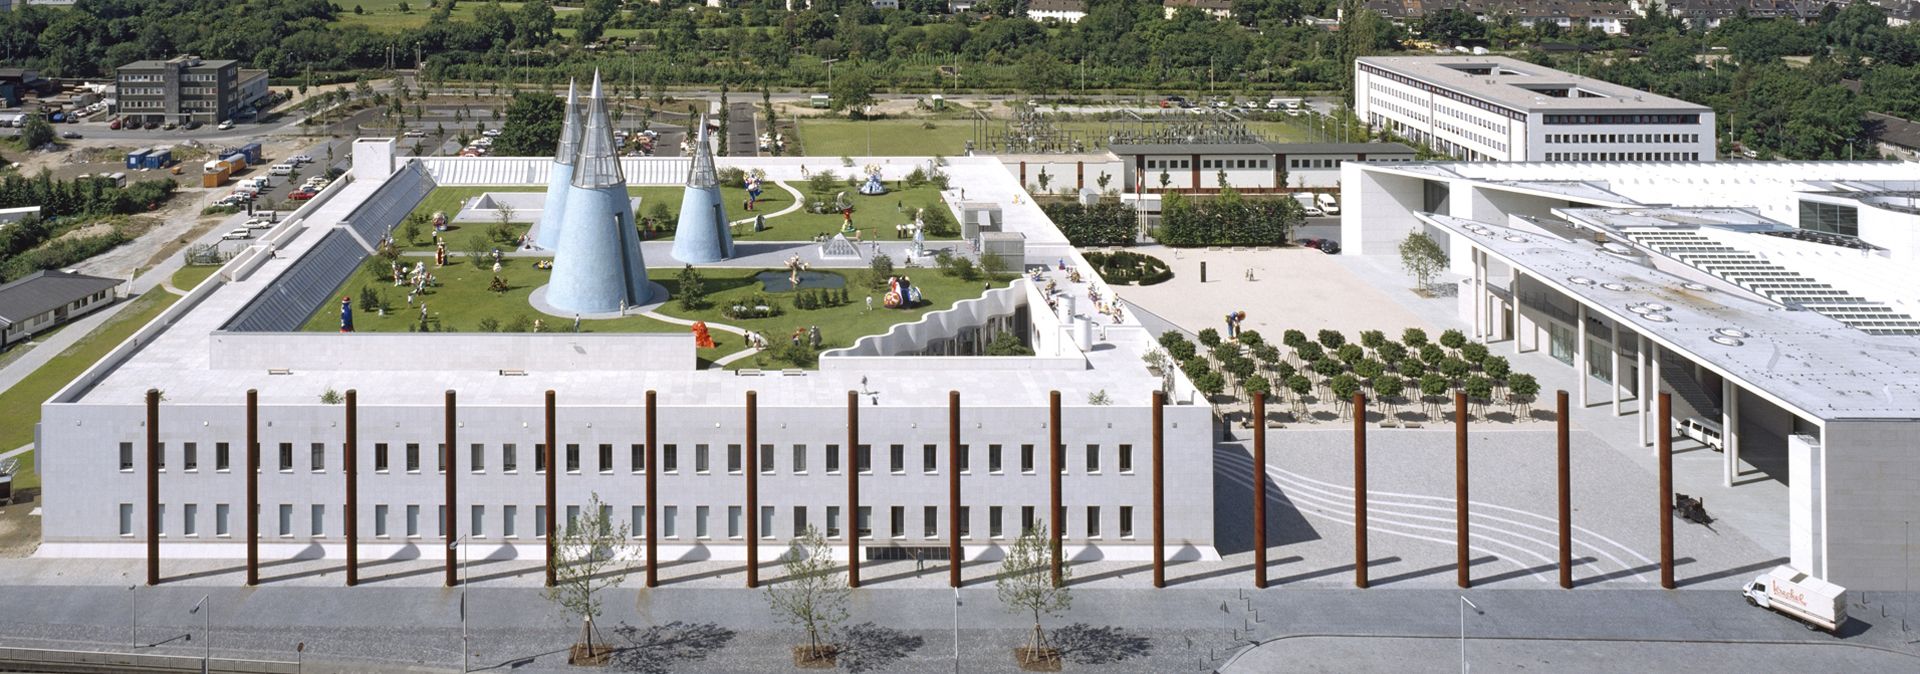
[[1817, 603], [1308, 204]]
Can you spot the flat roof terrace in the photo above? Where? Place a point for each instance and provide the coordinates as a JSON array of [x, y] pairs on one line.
[[1525, 86]]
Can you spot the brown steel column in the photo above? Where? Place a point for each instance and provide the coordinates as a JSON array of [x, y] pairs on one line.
[[1159, 491], [653, 505], [1056, 464], [553, 535], [453, 495], [1462, 575], [853, 488], [753, 489], [153, 486], [1359, 491], [1566, 489], [953, 489], [1260, 490], [1666, 490], [252, 450], [350, 465]]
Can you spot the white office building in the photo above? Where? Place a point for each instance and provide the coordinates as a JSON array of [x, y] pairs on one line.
[[1501, 109], [1774, 301]]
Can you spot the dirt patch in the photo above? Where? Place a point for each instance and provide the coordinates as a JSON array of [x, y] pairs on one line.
[[19, 528], [806, 657], [1037, 659]]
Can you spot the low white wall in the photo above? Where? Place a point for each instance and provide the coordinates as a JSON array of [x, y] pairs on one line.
[[442, 351], [877, 350]]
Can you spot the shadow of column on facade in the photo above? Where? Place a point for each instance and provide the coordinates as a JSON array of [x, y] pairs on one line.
[[1084, 644], [767, 564], [663, 648], [867, 647], [1233, 504]]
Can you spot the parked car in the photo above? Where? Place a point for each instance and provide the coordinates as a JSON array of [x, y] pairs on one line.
[[300, 159], [258, 223], [193, 125], [115, 125], [70, 135], [1330, 246], [151, 126], [169, 126], [241, 233], [226, 125], [490, 133], [301, 195], [414, 133]]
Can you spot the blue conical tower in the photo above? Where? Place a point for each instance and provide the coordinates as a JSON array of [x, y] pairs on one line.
[[597, 266], [546, 232], [702, 236]]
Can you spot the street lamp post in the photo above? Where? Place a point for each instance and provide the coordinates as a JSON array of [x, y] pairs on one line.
[[457, 543], [1465, 603], [829, 63], [207, 661], [956, 630]]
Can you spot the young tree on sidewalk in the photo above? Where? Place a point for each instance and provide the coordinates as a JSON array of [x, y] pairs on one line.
[[591, 558], [814, 594], [1025, 586]]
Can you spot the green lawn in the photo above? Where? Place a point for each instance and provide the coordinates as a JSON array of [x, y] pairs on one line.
[[385, 15], [840, 137], [839, 326], [191, 275], [22, 402]]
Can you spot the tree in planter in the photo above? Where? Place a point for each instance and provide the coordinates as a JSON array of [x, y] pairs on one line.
[[1455, 369], [1308, 352], [1349, 353], [1479, 390], [1369, 369], [1251, 338], [1414, 337], [1522, 389], [1043, 179], [1372, 339], [1026, 587], [1102, 181], [1176, 345], [1240, 367], [1391, 352], [1293, 338], [1300, 385], [1332, 339], [1453, 339], [1474, 353], [591, 558], [1256, 385], [1156, 360], [1388, 388], [1210, 383], [1209, 337], [1422, 258], [814, 595], [1432, 354], [1497, 369], [1432, 386], [1344, 386]]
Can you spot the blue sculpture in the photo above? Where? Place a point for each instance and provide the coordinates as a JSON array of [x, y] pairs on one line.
[[702, 236], [597, 268], [873, 187]]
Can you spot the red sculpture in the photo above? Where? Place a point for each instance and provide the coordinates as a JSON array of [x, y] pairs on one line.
[[701, 339]]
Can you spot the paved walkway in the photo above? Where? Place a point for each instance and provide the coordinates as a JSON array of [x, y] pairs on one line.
[[724, 360]]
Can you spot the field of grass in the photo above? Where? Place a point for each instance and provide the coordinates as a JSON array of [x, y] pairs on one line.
[[22, 402], [191, 275], [840, 137], [385, 15]]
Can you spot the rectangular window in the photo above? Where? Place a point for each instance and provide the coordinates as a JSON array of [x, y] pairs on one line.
[[766, 521], [286, 457], [380, 521], [833, 521], [1126, 521], [800, 459], [700, 459], [476, 522], [1026, 459], [863, 522], [1093, 521], [539, 458], [799, 520], [1026, 519], [318, 520], [638, 515], [993, 522], [930, 521], [413, 521], [966, 459], [863, 459], [606, 458], [573, 457], [440, 457], [286, 520], [161, 517], [1093, 458], [929, 459], [509, 521], [126, 514], [477, 458], [318, 460], [222, 460], [700, 522], [573, 520], [189, 527], [1126, 458], [162, 463], [897, 458], [966, 522], [898, 528], [733, 522], [606, 520], [539, 521], [670, 459], [190, 457], [220, 511], [994, 465], [413, 457], [766, 459], [833, 459], [733, 459], [669, 524], [637, 457], [510, 458]]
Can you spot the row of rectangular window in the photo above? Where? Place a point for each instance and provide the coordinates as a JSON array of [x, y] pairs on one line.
[[669, 526], [1623, 138], [1623, 156], [669, 459]]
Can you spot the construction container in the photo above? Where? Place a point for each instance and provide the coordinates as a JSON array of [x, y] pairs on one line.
[[138, 158], [214, 178], [214, 166], [158, 157], [252, 151], [236, 162]]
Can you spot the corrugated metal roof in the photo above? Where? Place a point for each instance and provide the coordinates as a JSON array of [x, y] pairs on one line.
[[44, 291]]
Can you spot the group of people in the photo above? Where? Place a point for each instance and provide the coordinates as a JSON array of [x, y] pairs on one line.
[[809, 335]]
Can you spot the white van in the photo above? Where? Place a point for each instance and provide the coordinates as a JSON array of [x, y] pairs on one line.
[[241, 233], [1327, 203], [1308, 204], [1700, 430], [280, 170]]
